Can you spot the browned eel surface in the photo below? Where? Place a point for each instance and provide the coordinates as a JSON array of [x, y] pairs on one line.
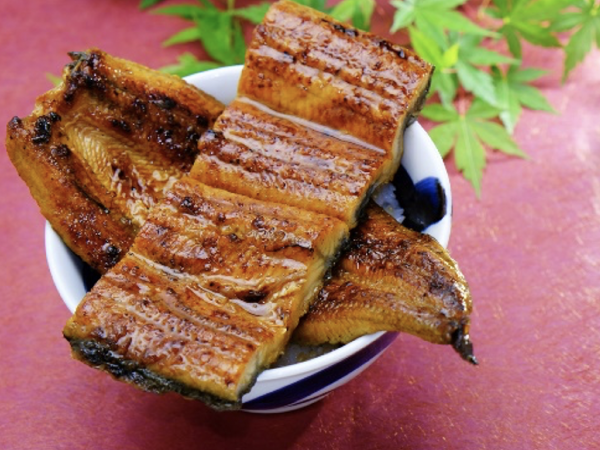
[[103, 146], [220, 274], [208, 295], [305, 64], [224, 267], [257, 153], [392, 279]]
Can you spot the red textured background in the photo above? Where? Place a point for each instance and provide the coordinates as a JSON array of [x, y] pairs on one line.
[[530, 248]]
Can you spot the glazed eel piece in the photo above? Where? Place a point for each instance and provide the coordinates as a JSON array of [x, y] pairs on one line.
[[305, 71], [302, 63], [103, 146], [220, 274], [391, 278], [208, 295]]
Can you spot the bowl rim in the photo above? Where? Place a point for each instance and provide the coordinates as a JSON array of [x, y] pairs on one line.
[[56, 250]]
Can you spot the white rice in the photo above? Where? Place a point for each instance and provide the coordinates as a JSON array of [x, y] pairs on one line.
[[385, 197]]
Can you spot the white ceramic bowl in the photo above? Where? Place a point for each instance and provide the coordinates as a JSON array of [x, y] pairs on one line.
[[296, 385]]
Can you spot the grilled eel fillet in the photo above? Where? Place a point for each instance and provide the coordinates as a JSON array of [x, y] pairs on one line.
[[183, 310], [255, 152], [391, 279], [326, 75], [216, 281], [102, 147], [306, 72], [207, 296]]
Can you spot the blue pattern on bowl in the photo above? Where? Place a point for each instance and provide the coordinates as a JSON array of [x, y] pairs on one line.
[[423, 203], [303, 391]]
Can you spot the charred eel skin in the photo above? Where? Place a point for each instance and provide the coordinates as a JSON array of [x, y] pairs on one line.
[[392, 279], [102, 147], [208, 295]]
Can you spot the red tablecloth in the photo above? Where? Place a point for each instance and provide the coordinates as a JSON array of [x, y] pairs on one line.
[[530, 248]]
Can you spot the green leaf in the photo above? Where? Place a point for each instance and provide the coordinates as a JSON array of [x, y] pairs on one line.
[[434, 15], [473, 54], [426, 47], [183, 36], [404, 15], [444, 81], [493, 13], [430, 29], [319, 5], [467, 134], [442, 4], [502, 8], [144, 4], [476, 81], [481, 56], [482, 110], [469, 155], [496, 137], [566, 21], [543, 10], [579, 45], [189, 64], [344, 11], [528, 20], [532, 98], [444, 137], [254, 14], [507, 101], [364, 14], [524, 75], [537, 35], [446, 84], [584, 20], [512, 92], [187, 12], [55, 80], [452, 20], [357, 12], [450, 56], [513, 41], [439, 113], [217, 35], [238, 45]]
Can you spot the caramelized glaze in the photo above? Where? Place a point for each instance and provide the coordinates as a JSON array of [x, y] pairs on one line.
[[305, 64], [101, 148], [391, 279], [263, 155], [209, 293], [224, 266]]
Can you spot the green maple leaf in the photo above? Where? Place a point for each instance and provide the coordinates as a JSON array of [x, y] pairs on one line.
[[470, 57], [456, 62], [145, 4], [433, 17], [219, 31], [444, 80], [357, 12], [468, 134], [319, 5], [513, 93], [585, 20], [188, 64], [254, 13], [528, 20], [187, 12]]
